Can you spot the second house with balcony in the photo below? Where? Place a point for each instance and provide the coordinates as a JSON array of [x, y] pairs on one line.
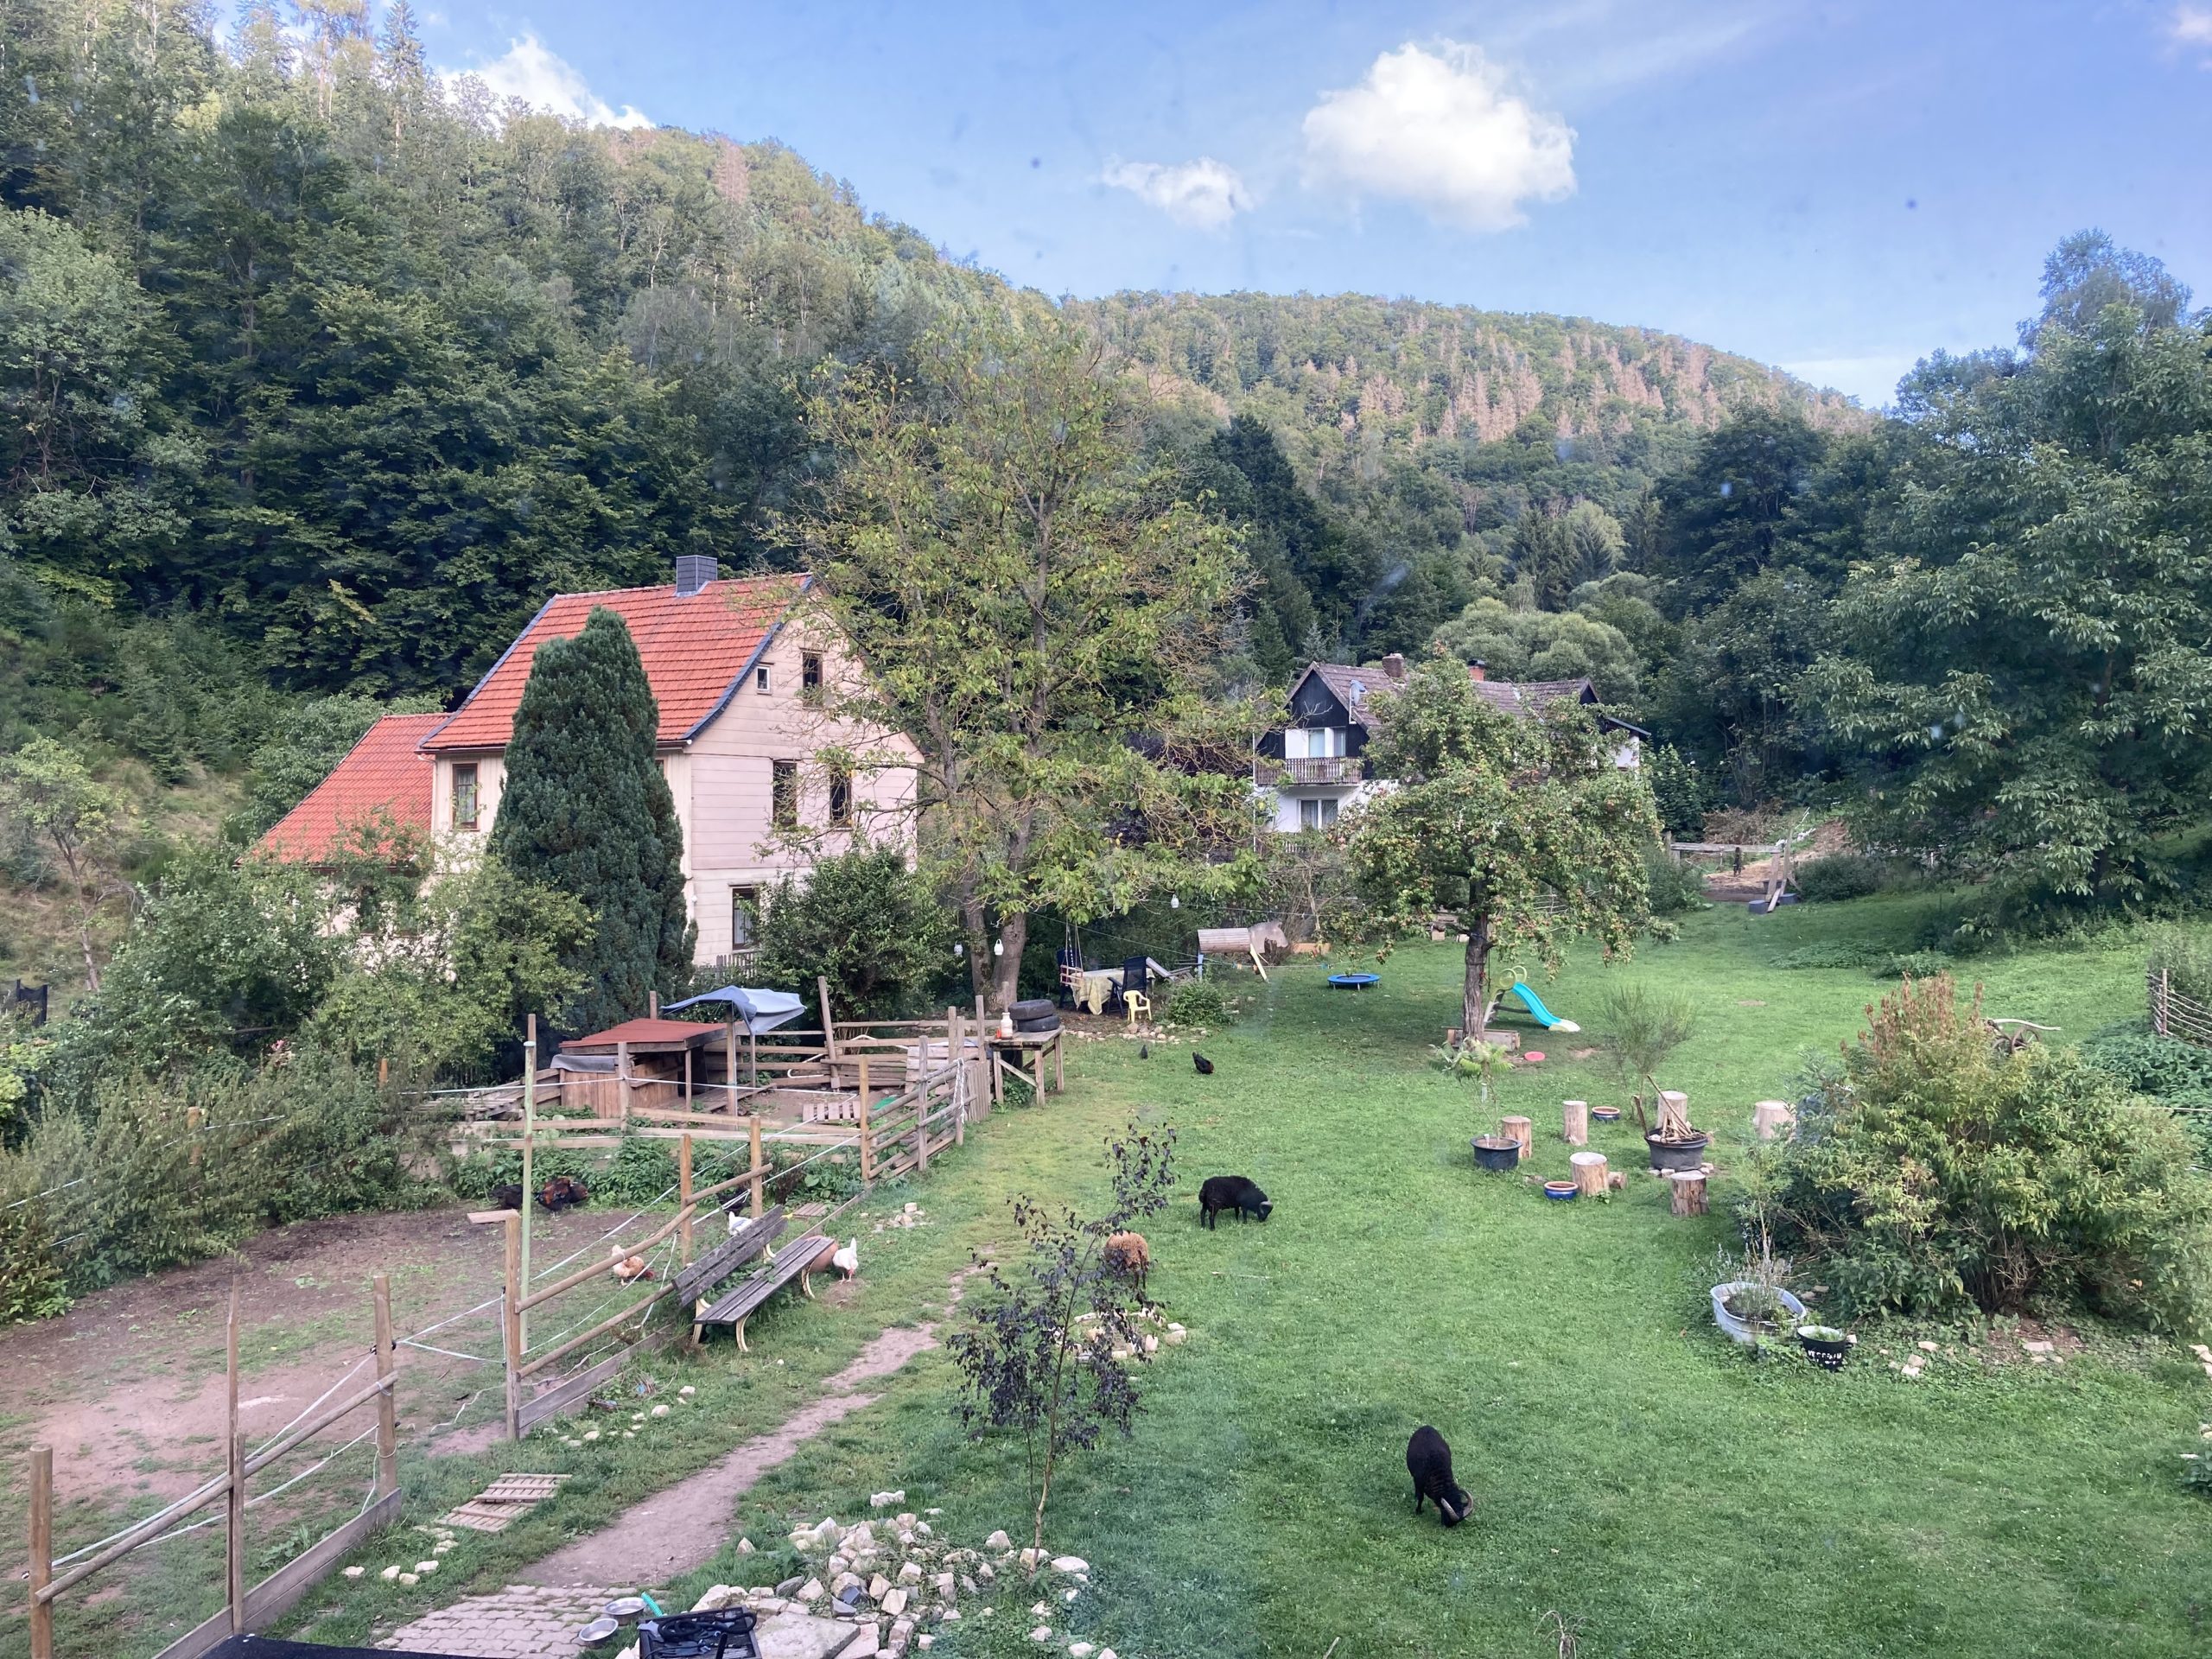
[[1317, 765]]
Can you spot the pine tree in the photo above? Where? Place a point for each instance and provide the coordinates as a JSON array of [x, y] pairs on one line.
[[586, 808]]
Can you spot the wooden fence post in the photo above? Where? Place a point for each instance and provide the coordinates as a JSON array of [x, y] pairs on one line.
[[194, 1117], [387, 1406], [42, 1550], [922, 1130], [511, 1325], [959, 1068], [683, 1194], [529, 1135], [752, 1125], [2161, 988], [829, 1027], [729, 1064], [234, 1506], [868, 1150]]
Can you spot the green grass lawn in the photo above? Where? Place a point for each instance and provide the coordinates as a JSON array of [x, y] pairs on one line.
[[1660, 1491]]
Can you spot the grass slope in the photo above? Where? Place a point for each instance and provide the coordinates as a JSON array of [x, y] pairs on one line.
[[1633, 1472]]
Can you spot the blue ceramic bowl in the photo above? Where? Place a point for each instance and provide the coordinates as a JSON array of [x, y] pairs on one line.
[[1560, 1192]]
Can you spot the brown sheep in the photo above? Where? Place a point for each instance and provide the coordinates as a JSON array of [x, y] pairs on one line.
[[1128, 1255]]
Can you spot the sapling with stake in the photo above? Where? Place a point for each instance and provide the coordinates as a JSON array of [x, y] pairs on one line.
[[1642, 1028], [1046, 1351]]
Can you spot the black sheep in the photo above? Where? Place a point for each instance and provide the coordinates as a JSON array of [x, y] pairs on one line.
[[1428, 1460], [1231, 1192]]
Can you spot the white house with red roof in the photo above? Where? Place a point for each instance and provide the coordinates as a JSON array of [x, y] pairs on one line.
[[739, 670]]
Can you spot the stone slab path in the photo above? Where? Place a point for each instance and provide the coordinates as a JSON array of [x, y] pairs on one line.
[[523, 1621]]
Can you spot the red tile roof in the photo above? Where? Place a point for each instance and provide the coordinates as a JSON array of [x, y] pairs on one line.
[[694, 648], [645, 1032], [382, 771]]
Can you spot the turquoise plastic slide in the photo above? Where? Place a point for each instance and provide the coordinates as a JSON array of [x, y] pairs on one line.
[[1542, 1015]]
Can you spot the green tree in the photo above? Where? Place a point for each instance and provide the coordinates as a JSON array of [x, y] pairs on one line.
[[2020, 670], [586, 809], [1036, 605], [1544, 645], [47, 788], [1522, 827], [867, 922]]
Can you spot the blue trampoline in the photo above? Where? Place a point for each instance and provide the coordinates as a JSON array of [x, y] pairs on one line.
[[1353, 981]]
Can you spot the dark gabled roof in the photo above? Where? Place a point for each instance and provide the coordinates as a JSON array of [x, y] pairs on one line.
[[1349, 685], [1353, 686]]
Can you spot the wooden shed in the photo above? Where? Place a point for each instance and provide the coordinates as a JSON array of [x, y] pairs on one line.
[[652, 1062]]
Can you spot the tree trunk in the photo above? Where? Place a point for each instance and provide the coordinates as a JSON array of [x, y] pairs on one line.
[[1005, 969], [1474, 1002]]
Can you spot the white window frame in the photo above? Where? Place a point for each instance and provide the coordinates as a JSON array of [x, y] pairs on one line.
[[761, 679]]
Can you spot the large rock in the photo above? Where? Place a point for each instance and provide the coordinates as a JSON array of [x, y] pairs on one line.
[[998, 1541], [801, 1635], [1070, 1564]]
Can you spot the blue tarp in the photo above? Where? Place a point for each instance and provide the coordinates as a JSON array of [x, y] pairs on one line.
[[757, 1011]]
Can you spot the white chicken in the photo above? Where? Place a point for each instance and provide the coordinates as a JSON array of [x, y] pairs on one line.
[[845, 1258]]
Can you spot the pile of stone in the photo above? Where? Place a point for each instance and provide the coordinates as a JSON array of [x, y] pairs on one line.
[[900, 1583], [911, 1216]]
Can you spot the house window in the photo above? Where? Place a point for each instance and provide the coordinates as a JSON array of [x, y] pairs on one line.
[[841, 797], [810, 674], [761, 679], [1317, 814], [783, 795], [1314, 743], [464, 795], [744, 917]]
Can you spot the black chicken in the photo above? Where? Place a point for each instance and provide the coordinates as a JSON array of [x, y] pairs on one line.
[[1204, 1065], [1144, 1051]]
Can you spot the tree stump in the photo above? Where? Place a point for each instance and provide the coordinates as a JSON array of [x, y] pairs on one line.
[[1686, 1191], [1590, 1174], [1770, 1117], [1520, 1129], [1576, 1114], [1674, 1112]]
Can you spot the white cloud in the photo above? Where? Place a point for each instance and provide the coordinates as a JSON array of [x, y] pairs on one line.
[[2192, 26], [1205, 194], [1441, 128], [528, 71]]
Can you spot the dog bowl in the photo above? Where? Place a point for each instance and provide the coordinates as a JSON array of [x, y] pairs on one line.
[[1534, 1056], [1558, 1191], [1605, 1114]]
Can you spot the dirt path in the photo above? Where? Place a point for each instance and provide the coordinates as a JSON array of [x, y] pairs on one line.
[[682, 1528]]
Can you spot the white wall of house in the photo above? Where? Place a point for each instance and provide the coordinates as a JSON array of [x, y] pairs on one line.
[[490, 779]]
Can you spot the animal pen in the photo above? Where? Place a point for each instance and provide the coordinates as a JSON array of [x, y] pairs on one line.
[[890, 1094], [244, 1607]]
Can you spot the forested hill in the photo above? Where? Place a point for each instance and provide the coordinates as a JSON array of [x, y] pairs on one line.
[[1347, 378]]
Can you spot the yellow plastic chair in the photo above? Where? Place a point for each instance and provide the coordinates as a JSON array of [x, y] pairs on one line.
[[1138, 1005]]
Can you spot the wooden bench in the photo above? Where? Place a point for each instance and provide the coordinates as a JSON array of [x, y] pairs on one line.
[[794, 1261], [710, 1269]]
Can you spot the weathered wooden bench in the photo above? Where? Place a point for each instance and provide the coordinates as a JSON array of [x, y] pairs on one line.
[[694, 1283], [794, 1261]]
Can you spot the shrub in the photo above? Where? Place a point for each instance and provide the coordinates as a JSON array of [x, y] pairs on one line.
[[1198, 1002], [868, 924], [2174, 1073], [136, 1187], [1938, 1169], [1840, 875], [1912, 964], [1831, 953], [1675, 888], [2184, 954]]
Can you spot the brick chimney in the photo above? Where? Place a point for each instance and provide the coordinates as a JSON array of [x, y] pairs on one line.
[[1393, 665], [1478, 670]]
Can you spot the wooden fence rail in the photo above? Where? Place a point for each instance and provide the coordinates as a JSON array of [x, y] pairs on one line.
[[283, 1590], [2175, 1014]]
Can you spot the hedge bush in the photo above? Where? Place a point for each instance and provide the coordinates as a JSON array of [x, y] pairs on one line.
[[129, 1186], [1938, 1169], [1840, 875]]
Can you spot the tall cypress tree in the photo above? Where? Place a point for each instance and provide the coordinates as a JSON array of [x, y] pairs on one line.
[[587, 809]]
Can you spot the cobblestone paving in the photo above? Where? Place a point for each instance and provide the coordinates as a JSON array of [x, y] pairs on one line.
[[520, 1622]]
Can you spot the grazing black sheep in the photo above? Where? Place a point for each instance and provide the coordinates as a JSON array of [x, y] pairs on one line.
[[1204, 1065], [1231, 1192], [507, 1196], [564, 1192], [1428, 1460]]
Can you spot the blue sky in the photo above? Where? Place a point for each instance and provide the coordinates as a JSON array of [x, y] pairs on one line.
[[1836, 187]]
